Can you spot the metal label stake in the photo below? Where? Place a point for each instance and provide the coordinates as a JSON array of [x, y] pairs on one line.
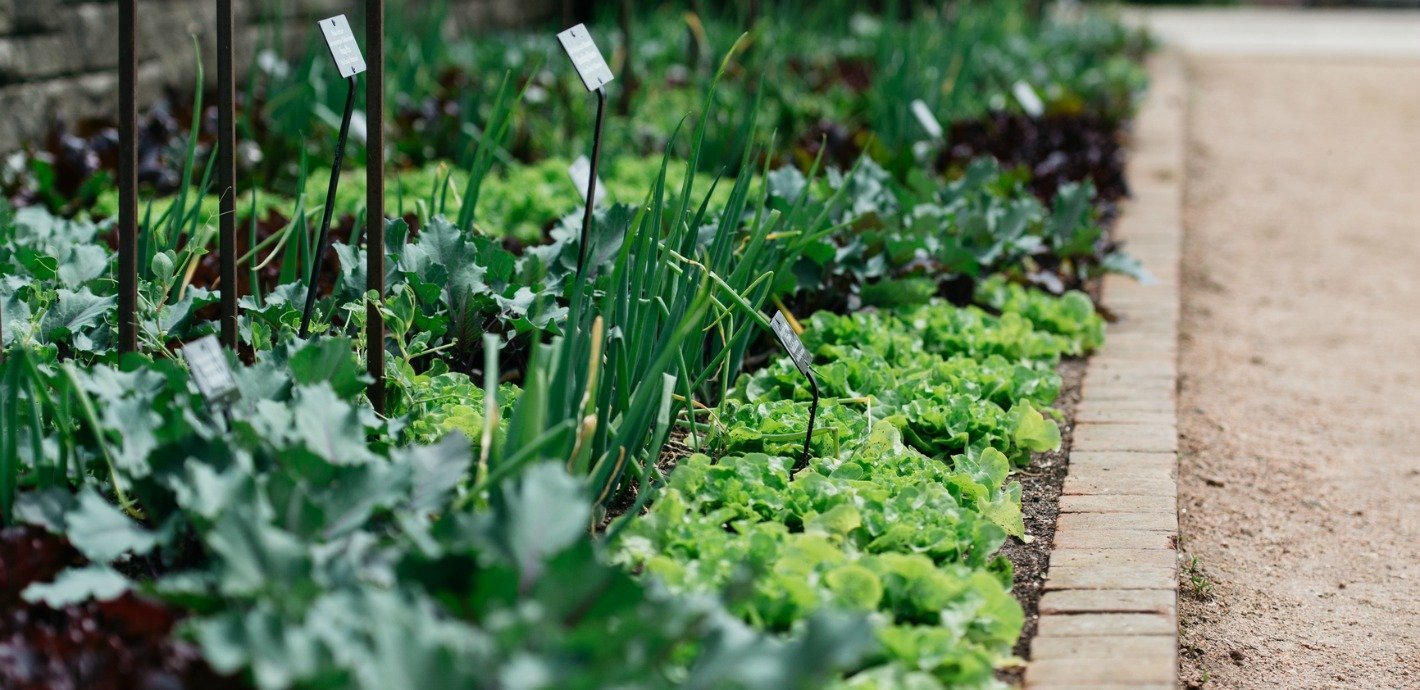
[[592, 68], [375, 200], [804, 361], [227, 172], [350, 63]]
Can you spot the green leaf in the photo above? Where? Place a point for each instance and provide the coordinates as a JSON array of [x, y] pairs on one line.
[[329, 427], [1033, 431], [540, 514], [101, 532], [45, 508], [436, 470], [254, 556], [77, 585], [329, 360], [75, 311]]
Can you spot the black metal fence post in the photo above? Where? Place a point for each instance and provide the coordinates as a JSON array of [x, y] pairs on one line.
[[127, 176], [375, 197], [227, 172]]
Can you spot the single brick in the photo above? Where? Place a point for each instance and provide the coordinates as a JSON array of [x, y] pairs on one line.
[[1052, 685], [1121, 486], [1147, 471], [1154, 668], [1117, 503], [1093, 624], [1113, 539], [1098, 558], [1144, 522], [1153, 438], [1160, 601], [1110, 577]]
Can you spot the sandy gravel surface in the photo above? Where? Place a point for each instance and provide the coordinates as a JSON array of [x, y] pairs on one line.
[[1300, 356]]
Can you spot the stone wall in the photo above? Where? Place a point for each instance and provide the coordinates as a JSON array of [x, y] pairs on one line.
[[58, 58]]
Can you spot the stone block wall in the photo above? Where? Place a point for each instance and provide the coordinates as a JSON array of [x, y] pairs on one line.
[[58, 58]]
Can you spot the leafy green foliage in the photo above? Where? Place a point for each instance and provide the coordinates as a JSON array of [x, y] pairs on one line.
[[907, 497], [332, 563]]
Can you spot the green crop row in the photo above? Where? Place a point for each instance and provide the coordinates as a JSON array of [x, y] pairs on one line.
[[512, 518]]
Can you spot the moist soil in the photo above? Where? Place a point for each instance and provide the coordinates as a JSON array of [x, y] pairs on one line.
[[1299, 475], [1041, 484]]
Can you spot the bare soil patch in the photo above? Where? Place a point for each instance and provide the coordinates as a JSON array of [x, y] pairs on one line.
[[1300, 392]]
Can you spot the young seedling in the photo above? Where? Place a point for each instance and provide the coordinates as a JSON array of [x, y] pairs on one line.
[[800, 355], [595, 74], [350, 63]]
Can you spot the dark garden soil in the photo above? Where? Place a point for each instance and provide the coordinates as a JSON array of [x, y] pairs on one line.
[[122, 644], [1041, 484]]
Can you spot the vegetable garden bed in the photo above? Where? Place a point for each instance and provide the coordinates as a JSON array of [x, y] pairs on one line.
[[599, 478]]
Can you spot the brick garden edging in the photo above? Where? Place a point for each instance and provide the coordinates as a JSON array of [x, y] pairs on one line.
[[1109, 614]]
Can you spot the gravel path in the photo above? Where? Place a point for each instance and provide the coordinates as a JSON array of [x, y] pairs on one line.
[[1299, 406]]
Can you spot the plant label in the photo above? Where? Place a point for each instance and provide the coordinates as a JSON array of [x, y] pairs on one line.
[[588, 60], [791, 342], [210, 371], [343, 47], [1026, 96], [927, 119], [581, 173]]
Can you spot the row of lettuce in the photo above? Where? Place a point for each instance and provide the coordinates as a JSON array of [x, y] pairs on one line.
[[625, 512]]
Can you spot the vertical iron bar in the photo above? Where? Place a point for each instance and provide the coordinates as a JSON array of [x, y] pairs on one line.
[[127, 176], [692, 47], [227, 172], [629, 83], [592, 184], [375, 197], [319, 250]]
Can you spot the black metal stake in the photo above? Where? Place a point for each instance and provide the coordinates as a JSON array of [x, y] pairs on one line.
[[592, 184], [227, 173], [813, 416], [319, 248], [375, 198], [127, 176]]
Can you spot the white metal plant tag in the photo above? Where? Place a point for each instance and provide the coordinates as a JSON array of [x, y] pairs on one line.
[[927, 119], [343, 47], [1026, 96], [210, 371], [791, 342], [586, 57]]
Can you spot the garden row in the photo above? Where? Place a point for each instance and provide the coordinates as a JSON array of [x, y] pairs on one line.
[[584, 480]]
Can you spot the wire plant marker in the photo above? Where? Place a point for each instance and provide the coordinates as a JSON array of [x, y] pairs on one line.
[[375, 201], [227, 173], [592, 68], [804, 361], [348, 60]]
